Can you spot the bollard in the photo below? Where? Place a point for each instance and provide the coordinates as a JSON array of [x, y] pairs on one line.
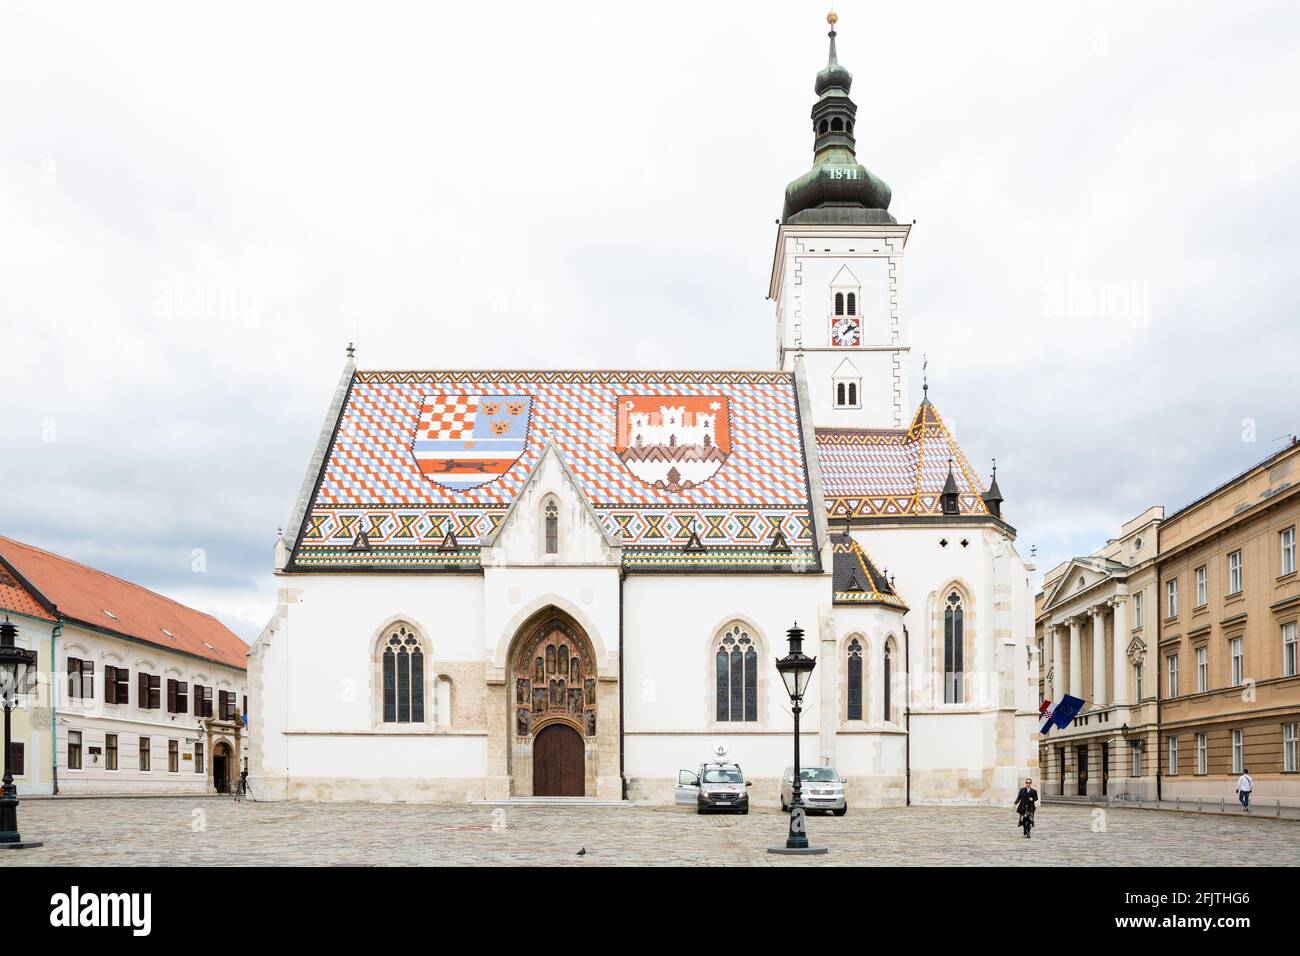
[[1278, 812], [1221, 803], [1199, 800]]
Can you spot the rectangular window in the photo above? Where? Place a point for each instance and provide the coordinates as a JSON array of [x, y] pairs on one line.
[[74, 749], [1173, 675], [1173, 756], [117, 681], [1137, 609], [1290, 748], [1238, 751], [1202, 587], [1202, 669], [1202, 755], [1135, 767], [1234, 573], [1287, 541], [149, 692], [178, 700], [81, 678], [110, 751], [1238, 664], [202, 701], [144, 754], [173, 756], [198, 758], [17, 758], [1290, 663], [1171, 592], [1138, 673], [227, 702]]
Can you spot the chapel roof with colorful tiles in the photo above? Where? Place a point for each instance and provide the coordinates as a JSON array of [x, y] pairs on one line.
[[701, 470], [897, 473], [855, 578]]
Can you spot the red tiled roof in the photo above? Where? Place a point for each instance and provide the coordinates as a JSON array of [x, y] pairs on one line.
[[85, 595], [15, 597]]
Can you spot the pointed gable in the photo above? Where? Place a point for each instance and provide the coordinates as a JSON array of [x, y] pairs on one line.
[[895, 473]]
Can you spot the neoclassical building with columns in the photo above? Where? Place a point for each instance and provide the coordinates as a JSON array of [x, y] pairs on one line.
[[1095, 620], [504, 584]]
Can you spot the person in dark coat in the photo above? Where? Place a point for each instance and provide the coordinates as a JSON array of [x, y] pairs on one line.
[[1025, 800]]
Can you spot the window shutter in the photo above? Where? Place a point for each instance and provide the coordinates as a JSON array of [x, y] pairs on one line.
[[171, 695], [198, 700], [110, 684], [142, 690], [74, 676]]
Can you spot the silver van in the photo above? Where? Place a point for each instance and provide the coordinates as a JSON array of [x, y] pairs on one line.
[[820, 787], [716, 787]]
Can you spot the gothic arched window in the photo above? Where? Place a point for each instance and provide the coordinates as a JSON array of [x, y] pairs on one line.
[[855, 680], [403, 669], [551, 517], [954, 627], [839, 303], [736, 672], [887, 677]]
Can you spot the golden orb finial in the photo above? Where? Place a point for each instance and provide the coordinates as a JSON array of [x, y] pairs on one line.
[[832, 18]]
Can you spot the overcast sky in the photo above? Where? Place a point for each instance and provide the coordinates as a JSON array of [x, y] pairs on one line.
[[201, 204]]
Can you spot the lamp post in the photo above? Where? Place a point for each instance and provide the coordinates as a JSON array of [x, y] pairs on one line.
[[15, 664], [795, 669]]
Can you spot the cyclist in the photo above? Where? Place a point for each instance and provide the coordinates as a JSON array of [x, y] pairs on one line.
[[1025, 801]]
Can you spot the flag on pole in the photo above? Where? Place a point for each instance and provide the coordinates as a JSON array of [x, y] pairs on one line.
[[1061, 715]]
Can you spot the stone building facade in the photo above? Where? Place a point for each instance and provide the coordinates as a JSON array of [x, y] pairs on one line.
[[508, 583], [1230, 603]]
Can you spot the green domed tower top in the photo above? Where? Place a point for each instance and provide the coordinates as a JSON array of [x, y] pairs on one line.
[[838, 189]]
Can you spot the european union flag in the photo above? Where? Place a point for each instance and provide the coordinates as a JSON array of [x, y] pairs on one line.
[[1064, 712]]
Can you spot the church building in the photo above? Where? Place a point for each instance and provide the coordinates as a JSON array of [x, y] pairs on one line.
[[504, 584]]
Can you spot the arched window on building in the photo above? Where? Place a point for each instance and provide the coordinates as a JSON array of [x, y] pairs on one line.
[[852, 303], [839, 303], [735, 663], [887, 681], [551, 519], [954, 633], [403, 676], [855, 680]]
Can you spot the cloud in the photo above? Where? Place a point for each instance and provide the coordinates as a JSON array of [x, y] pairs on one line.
[[203, 205]]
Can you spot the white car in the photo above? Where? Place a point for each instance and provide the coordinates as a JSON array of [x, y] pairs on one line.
[[820, 788], [715, 787]]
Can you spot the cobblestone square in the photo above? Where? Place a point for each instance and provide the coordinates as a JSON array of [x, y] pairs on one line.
[[217, 831]]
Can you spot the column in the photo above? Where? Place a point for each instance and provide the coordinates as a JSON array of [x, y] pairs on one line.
[[1076, 659], [1058, 662], [1119, 674], [1099, 656]]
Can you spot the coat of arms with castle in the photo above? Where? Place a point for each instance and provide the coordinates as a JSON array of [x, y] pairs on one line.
[[673, 442]]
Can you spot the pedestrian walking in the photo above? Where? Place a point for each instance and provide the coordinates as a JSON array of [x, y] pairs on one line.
[[1244, 787]]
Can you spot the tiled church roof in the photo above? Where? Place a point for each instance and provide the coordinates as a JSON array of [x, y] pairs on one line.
[[418, 455], [857, 580], [887, 473], [91, 597]]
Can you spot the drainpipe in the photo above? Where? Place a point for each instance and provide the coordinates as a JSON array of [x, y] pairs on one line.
[[622, 774], [1160, 616], [55, 633], [907, 712]]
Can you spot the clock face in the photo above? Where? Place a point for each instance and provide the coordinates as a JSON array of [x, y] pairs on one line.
[[846, 330]]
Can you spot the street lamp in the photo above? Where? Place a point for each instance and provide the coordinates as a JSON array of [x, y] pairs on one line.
[[15, 663], [795, 669]]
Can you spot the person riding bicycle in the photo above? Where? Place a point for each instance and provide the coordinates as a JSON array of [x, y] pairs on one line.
[[1025, 801]]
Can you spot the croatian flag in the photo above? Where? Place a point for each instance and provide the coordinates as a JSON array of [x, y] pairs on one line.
[[1065, 711]]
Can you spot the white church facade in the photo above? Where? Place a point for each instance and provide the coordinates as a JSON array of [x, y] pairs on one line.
[[503, 584]]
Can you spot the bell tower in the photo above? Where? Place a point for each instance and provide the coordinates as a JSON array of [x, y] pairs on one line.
[[837, 273]]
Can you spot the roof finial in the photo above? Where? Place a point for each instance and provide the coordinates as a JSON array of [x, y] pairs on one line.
[[925, 379], [995, 469], [352, 350], [832, 18]]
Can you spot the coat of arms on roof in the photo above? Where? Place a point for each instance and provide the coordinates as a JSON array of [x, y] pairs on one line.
[[672, 442], [463, 441]]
